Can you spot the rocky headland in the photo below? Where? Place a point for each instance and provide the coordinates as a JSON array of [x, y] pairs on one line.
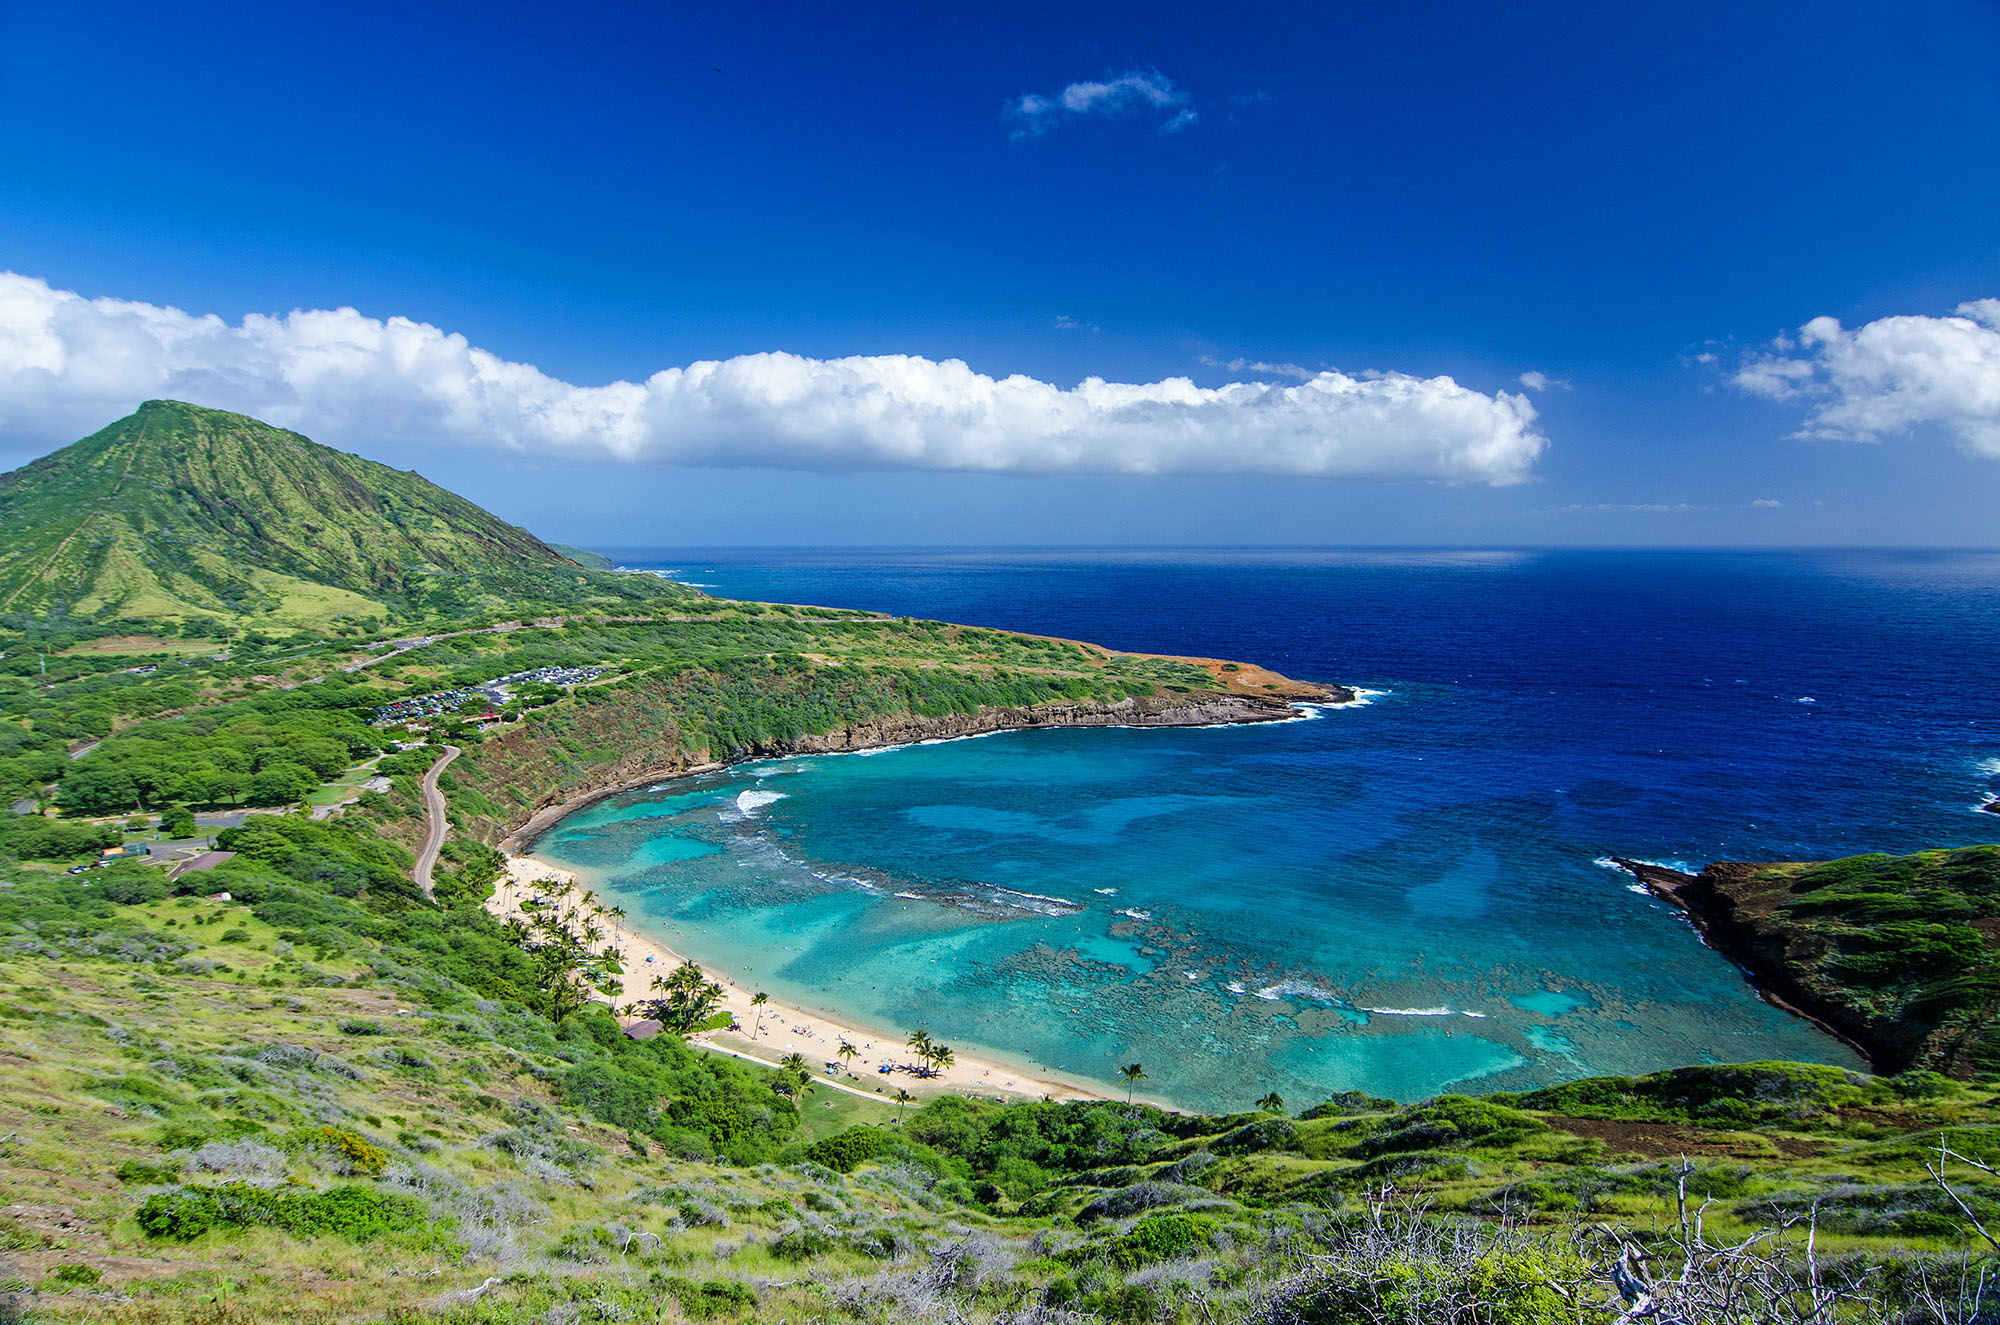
[[1273, 702], [1895, 955]]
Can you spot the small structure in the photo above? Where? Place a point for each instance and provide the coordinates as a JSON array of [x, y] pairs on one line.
[[644, 1030]]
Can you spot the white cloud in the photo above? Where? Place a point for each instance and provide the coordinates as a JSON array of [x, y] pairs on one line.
[[1133, 92], [1645, 507], [69, 365], [1536, 380], [1890, 376], [1766, 504]]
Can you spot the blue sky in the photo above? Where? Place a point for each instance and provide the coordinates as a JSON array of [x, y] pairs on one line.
[[1632, 202]]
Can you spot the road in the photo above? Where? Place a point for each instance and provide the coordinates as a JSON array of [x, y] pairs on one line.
[[434, 812]]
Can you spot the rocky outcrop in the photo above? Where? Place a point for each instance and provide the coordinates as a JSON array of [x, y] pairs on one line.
[[1735, 907], [1198, 709], [1176, 709]]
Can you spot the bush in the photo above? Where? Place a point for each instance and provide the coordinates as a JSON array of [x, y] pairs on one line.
[[844, 1151], [803, 1241], [353, 1152], [72, 1276], [1451, 1120], [1510, 1287], [141, 1172], [348, 1211], [1162, 1238], [708, 1299]]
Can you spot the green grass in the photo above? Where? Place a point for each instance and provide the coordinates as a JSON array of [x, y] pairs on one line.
[[177, 513]]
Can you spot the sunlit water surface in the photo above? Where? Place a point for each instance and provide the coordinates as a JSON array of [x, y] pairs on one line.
[[1400, 897]]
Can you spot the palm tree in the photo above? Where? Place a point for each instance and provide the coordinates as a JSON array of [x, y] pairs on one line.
[[1133, 1074], [919, 1041], [1272, 1103], [793, 1063], [847, 1052], [902, 1097], [941, 1057], [757, 1001]]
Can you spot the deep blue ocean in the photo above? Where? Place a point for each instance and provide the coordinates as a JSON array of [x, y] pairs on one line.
[[1402, 896]]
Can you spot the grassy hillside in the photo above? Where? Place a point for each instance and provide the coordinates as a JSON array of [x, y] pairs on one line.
[[178, 514], [323, 1100]]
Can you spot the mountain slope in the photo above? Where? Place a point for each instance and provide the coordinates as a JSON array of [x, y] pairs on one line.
[[178, 511]]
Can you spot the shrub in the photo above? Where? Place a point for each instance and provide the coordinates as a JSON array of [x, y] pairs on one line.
[[1450, 1120], [353, 1152], [348, 1211], [139, 1171], [800, 1242], [1346, 1104], [1140, 1196], [1169, 1237], [1262, 1135], [72, 1276], [707, 1299], [844, 1151], [1510, 1287]]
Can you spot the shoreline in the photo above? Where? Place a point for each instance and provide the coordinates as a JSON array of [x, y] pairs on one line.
[[1680, 889], [787, 1028], [1219, 709]]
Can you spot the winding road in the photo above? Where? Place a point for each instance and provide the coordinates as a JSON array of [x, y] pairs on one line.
[[434, 812]]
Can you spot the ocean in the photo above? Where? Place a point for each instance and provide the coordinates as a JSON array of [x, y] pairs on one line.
[[1403, 896]]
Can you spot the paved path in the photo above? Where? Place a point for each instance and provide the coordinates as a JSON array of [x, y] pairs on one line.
[[434, 810]]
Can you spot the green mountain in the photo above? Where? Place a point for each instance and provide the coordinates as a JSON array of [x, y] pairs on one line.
[[180, 512]]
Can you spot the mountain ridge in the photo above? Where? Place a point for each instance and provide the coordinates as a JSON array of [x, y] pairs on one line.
[[178, 511]]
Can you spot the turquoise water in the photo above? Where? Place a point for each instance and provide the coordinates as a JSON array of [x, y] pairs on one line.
[[1039, 893], [1324, 905]]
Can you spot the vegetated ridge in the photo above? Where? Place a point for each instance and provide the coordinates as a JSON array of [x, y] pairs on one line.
[[1896, 953], [178, 512]]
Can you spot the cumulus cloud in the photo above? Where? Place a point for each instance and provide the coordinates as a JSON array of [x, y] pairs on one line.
[[1536, 380], [1890, 376], [1132, 92], [68, 365]]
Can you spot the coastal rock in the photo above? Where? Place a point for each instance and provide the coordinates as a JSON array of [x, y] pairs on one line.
[[1206, 708], [1797, 958], [1200, 709]]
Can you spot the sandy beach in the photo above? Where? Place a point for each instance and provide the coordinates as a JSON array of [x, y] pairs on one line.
[[783, 1029]]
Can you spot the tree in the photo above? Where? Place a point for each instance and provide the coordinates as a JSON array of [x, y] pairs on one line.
[[1133, 1074], [178, 822], [919, 1041], [560, 933], [940, 1057], [902, 1097], [689, 996], [847, 1052], [757, 1001], [1272, 1103], [281, 784]]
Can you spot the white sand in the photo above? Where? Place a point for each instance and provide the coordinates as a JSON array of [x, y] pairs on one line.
[[787, 1030]]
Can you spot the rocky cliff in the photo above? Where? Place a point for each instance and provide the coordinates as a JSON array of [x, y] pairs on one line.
[[1894, 954], [657, 758]]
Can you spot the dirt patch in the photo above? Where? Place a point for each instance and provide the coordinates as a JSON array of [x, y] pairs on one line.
[[1668, 1140]]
